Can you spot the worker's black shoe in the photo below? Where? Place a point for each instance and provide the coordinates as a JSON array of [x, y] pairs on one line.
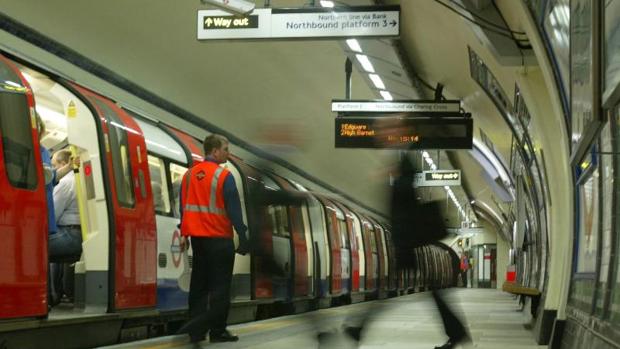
[[223, 337]]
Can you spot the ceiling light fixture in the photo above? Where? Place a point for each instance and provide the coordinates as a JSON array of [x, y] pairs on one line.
[[376, 79], [365, 62], [354, 45], [386, 95]]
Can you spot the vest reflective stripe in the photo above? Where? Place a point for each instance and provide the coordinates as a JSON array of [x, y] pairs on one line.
[[216, 178], [204, 206], [205, 209], [212, 208]]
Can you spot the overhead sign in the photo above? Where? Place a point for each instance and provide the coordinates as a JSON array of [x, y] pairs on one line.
[[438, 178], [241, 7], [397, 132], [266, 23], [396, 106]]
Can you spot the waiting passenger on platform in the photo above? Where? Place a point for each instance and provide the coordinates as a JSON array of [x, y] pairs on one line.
[[210, 207], [416, 224]]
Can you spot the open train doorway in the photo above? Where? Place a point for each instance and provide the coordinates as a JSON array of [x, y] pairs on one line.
[[69, 124]]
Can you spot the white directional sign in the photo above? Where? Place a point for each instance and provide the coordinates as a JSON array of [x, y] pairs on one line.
[[366, 21], [438, 178], [396, 106]]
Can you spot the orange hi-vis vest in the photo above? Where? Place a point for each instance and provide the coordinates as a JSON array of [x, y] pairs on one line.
[[202, 198]]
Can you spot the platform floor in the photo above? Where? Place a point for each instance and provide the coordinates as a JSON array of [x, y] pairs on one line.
[[492, 318]]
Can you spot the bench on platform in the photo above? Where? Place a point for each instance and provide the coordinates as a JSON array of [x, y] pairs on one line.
[[519, 290]]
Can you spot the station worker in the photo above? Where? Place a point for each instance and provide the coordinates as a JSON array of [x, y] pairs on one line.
[[210, 207]]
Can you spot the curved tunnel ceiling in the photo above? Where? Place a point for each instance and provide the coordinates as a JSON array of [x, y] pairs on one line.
[[276, 94]]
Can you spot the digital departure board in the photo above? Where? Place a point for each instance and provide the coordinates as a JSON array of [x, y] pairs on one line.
[[403, 132]]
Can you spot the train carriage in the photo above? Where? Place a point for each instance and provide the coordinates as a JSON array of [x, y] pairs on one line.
[[357, 261], [314, 253]]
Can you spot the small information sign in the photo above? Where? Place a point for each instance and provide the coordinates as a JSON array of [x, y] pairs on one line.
[[351, 106], [438, 178], [392, 132]]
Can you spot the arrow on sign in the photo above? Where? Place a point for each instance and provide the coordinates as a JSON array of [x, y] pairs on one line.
[[209, 21], [393, 23]]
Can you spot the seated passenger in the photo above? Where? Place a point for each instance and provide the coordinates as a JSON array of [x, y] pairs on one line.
[[50, 180], [66, 245], [176, 192], [158, 201], [68, 239]]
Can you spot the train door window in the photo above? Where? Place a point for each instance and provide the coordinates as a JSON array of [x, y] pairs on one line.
[[331, 225], [17, 142], [278, 214], [176, 178], [161, 199], [373, 242], [344, 236], [120, 155], [279, 220]]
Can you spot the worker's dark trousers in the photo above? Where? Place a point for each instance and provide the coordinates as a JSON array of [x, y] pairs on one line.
[[209, 292]]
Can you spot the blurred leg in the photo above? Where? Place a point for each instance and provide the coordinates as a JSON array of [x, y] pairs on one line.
[[453, 327]]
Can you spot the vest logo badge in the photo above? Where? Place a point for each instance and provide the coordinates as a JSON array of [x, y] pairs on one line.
[[200, 175]]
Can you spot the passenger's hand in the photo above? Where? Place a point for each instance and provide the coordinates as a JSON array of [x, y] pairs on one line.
[[76, 161], [183, 243], [244, 246]]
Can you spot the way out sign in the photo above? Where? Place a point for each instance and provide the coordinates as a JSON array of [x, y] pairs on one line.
[[438, 178], [266, 23]]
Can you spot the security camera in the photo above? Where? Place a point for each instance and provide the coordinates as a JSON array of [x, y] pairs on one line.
[[239, 7]]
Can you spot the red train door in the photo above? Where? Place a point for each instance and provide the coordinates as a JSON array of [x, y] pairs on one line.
[[23, 205], [334, 246], [370, 250], [355, 264], [300, 276], [133, 242], [260, 232], [381, 256]]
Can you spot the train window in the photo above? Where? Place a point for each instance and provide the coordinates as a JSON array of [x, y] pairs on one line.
[[279, 221], [161, 199], [344, 235], [17, 141], [176, 178], [120, 155], [373, 242]]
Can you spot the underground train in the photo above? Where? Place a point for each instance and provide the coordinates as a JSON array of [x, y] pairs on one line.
[[127, 279]]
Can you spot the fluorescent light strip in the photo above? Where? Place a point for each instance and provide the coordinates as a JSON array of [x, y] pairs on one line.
[[327, 3], [449, 191], [386, 95], [354, 45], [495, 162], [49, 114], [376, 79], [365, 62]]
